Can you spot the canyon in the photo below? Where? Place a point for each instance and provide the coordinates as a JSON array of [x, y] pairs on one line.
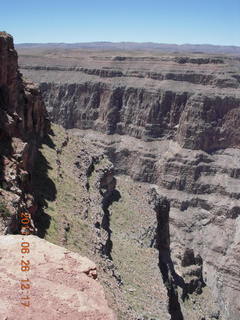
[[171, 123], [139, 171]]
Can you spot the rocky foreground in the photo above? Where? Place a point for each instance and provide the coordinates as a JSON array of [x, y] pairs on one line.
[[63, 284], [170, 125]]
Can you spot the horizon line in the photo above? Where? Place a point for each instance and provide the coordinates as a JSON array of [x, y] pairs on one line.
[[130, 42]]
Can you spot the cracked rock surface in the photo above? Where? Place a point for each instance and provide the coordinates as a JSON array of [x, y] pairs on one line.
[[63, 284]]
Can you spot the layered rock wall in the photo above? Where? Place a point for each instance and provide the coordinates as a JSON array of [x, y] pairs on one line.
[[196, 121], [204, 198], [194, 100]]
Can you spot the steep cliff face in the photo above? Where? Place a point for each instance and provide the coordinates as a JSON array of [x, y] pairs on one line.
[[23, 123], [196, 121], [124, 110], [203, 193], [21, 103], [194, 101], [210, 122]]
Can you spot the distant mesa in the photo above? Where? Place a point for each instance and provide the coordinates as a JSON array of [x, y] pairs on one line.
[[145, 46]]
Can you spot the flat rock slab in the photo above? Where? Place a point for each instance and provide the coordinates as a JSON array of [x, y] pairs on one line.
[[63, 284]]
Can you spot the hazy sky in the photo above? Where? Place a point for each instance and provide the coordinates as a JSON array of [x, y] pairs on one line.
[[164, 21]]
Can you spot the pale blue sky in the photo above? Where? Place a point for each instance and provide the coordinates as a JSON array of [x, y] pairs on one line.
[[170, 21]]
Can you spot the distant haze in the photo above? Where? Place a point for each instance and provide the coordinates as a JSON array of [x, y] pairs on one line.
[[146, 46]]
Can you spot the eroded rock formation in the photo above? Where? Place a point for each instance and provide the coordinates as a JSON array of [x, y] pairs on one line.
[[203, 194], [23, 123], [197, 121], [195, 103]]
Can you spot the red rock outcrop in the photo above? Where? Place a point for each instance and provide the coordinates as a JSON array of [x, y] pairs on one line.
[[62, 284], [23, 123]]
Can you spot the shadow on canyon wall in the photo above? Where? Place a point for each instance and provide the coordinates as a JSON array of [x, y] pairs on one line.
[[170, 278], [107, 202], [44, 188], [5, 150]]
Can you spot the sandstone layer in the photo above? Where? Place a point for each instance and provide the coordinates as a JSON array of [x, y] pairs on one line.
[[63, 284]]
